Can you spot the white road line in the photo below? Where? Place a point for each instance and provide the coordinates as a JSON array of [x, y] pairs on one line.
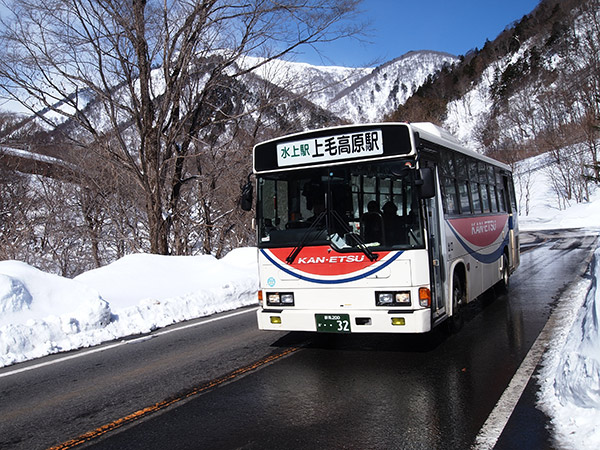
[[118, 344], [498, 418], [494, 425]]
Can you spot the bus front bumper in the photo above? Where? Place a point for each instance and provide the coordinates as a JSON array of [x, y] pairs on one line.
[[345, 321]]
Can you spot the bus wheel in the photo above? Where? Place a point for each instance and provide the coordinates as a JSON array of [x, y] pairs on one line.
[[504, 281], [456, 321]]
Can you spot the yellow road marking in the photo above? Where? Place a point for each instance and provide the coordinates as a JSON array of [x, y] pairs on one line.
[[86, 437]]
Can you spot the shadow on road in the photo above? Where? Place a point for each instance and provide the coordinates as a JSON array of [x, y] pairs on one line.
[[381, 342]]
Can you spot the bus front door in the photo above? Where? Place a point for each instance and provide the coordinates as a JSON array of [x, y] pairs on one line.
[[436, 258]]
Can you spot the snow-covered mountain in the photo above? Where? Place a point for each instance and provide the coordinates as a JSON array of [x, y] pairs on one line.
[[532, 89], [303, 96], [388, 86], [363, 94]]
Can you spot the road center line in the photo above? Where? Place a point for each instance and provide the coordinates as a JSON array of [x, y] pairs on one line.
[[86, 437], [123, 342]]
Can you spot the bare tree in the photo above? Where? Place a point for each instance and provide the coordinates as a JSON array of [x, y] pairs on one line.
[[150, 84], [583, 64], [16, 200], [525, 182]]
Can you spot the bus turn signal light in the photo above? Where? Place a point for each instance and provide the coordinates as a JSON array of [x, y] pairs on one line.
[[424, 297], [276, 320]]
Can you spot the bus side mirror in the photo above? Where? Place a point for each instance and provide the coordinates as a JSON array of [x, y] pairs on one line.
[[426, 183], [247, 196]]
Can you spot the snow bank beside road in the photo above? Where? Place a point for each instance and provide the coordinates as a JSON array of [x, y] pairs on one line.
[[570, 378], [42, 313]]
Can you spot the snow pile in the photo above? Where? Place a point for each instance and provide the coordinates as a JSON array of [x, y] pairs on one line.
[[570, 387], [42, 313], [579, 380]]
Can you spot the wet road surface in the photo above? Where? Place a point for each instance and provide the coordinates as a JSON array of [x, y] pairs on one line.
[[65, 398], [377, 391]]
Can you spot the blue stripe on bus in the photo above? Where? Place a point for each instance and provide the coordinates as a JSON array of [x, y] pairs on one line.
[[336, 281], [482, 257]]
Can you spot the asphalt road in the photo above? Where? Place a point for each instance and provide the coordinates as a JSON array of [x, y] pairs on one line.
[[224, 384], [49, 405]]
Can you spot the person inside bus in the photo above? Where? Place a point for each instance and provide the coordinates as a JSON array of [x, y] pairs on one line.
[[393, 225], [318, 206], [372, 223], [413, 228]]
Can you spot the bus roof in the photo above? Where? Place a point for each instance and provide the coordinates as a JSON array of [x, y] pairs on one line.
[[438, 135], [265, 153]]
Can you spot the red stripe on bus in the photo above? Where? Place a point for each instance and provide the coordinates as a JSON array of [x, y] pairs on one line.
[[322, 260], [480, 231]]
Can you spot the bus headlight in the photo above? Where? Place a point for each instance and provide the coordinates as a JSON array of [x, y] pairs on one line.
[[280, 299], [392, 298]]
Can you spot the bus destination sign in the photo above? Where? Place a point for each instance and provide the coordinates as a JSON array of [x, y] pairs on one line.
[[330, 148]]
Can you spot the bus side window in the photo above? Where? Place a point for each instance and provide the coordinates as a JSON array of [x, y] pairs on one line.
[[475, 196], [501, 199], [485, 201], [463, 192], [450, 199], [513, 198], [493, 199], [462, 175]]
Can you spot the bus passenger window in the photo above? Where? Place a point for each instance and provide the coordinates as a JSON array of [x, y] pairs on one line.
[[493, 199], [485, 203], [450, 198], [501, 200], [463, 192], [476, 198]]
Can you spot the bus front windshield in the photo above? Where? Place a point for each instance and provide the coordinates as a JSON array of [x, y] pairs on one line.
[[355, 207]]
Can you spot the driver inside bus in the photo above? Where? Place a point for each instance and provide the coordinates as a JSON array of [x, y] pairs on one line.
[[393, 224], [372, 223], [318, 206]]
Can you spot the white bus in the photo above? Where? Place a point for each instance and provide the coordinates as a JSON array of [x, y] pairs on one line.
[[386, 228]]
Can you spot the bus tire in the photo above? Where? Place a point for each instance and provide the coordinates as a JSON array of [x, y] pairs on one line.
[[456, 321], [505, 276]]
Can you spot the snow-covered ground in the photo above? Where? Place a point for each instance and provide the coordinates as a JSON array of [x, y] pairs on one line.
[[41, 313], [570, 375]]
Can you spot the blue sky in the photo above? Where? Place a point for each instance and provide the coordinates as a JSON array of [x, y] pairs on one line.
[[398, 26]]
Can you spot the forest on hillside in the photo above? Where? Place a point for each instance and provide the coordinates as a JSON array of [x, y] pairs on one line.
[[145, 120], [142, 119], [539, 81]]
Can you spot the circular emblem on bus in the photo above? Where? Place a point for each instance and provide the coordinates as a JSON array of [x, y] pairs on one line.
[[271, 281]]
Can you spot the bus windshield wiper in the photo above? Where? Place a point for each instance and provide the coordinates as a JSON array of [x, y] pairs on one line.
[[359, 242], [292, 256]]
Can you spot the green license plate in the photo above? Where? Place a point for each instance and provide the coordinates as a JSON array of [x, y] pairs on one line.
[[333, 323]]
